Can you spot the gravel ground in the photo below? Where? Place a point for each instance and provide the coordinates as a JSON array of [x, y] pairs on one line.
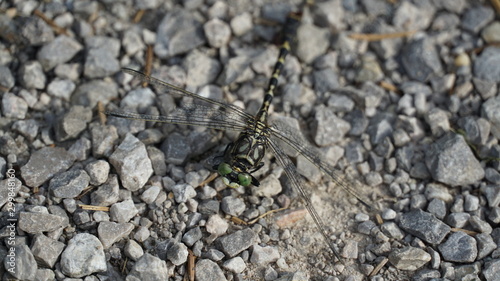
[[415, 118]]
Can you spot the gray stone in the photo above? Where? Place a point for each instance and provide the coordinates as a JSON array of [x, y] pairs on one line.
[[370, 70], [311, 42], [73, 123], [340, 103], [241, 24], [133, 250], [307, 169], [69, 184], [492, 194], [466, 271], [264, 255], [413, 17], [491, 32], [491, 270], [358, 122], [25, 264], [176, 149], [201, 70], [451, 161], [44, 274], [69, 71], [132, 41], [27, 128], [178, 32], [217, 32], [459, 247], [236, 265], [100, 63], [438, 121], [380, 127], [192, 236], [438, 191], [354, 152], [140, 99], [485, 245], [149, 267], [437, 207], [366, 227], [216, 225], [122, 212], [426, 274], [177, 253], [59, 51], [209, 207], [111, 232], [389, 214], [36, 31], [237, 242], [130, 159], [61, 88], [486, 89], [421, 60], [373, 179], [480, 225], [14, 106], [150, 194], [494, 215], [83, 256], [392, 230], [90, 93], [350, 250], [107, 193], [81, 217], [141, 234], [214, 255], [233, 206], [9, 186], [44, 164], [233, 69], [492, 176], [425, 226], [32, 75], [325, 80], [6, 78], [112, 45], [409, 258], [157, 158], [330, 13], [183, 192], [104, 138], [486, 65], [491, 112], [46, 250], [328, 128], [207, 270], [98, 172], [477, 17], [80, 149], [458, 205], [458, 220]]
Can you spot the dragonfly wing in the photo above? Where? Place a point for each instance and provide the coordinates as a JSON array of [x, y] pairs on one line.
[[296, 181], [297, 142], [174, 90]]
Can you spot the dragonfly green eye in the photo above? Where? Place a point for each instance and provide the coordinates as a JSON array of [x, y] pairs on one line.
[[244, 179], [224, 169]]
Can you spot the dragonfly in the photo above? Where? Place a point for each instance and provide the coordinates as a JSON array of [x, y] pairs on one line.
[[244, 156]]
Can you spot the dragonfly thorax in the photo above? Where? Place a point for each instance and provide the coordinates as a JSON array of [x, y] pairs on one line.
[[241, 158]]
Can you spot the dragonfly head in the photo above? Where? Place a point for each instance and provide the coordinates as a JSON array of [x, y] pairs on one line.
[[233, 178]]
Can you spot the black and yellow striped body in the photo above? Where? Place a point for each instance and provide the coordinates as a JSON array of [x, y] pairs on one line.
[[244, 156]]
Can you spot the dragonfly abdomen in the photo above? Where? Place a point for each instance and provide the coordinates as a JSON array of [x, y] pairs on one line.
[[291, 25]]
